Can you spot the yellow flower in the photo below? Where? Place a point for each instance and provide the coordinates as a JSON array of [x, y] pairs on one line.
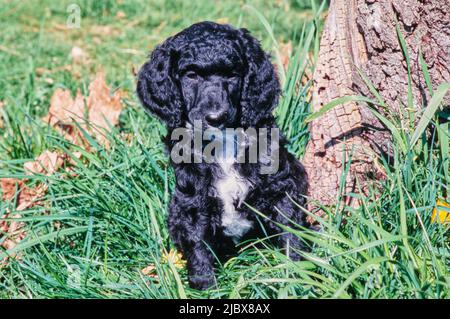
[[175, 257], [440, 215]]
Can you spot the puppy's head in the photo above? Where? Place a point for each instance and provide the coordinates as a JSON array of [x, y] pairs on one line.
[[212, 73]]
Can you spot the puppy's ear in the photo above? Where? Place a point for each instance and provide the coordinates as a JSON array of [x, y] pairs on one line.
[[261, 88], [156, 89]]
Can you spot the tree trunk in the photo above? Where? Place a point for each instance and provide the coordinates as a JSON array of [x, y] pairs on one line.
[[362, 34]]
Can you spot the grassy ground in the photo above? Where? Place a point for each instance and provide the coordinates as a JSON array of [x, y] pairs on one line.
[[98, 230]]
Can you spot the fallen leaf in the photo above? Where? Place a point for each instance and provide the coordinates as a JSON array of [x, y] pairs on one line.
[[78, 55], [127, 137], [2, 104], [96, 40], [25, 197], [60, 101], [285, 50], [71, 163], [9, 186], [41, 71], [13, 230], [223, 20], [103, 30], [77, 155], [104, 109], [149, 271], [134, 70], [441, 215], [31, 196], [49, 81], [64, 113], [283, 4], [9, 51], [57, 224], [120, 14], [64, 109], [47, 163], [60, 27]]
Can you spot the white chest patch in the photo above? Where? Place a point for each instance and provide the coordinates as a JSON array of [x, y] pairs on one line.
[[232, 189]]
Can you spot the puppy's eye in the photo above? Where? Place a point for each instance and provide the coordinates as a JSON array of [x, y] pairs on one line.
[[191, 75]]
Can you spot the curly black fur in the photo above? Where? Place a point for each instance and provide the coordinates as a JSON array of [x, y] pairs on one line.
[[215, 69]]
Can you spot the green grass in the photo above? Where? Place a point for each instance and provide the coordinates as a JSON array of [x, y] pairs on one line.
[[107, 223]]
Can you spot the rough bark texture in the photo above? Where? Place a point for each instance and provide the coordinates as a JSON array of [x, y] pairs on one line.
[[362, 34]]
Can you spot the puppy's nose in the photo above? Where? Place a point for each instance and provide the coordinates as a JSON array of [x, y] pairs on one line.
[[215, 119]]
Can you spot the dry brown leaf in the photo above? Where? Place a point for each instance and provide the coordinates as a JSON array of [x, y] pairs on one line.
[[103, 30], [60, 101], [41, 71], [78, 107], [150, 271], [73, 135], [49, 81], [13, 230], [64, 112], [147, 270], [77, 155], [2, 104], [69, 169], [60, 27], [223, 20], [3, 225], [26, 197], [441, 214], [64, 109], [103, 108], [96, 40], [174, 257], [9, 186], [31, 196], [283, 4]]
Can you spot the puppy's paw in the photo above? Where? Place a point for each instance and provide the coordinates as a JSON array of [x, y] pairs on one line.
[[202, 282]]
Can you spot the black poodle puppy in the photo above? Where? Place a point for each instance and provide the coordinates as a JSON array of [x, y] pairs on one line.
[[220, 76]]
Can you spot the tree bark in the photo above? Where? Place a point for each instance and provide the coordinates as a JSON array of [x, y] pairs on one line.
[[361, 34]]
